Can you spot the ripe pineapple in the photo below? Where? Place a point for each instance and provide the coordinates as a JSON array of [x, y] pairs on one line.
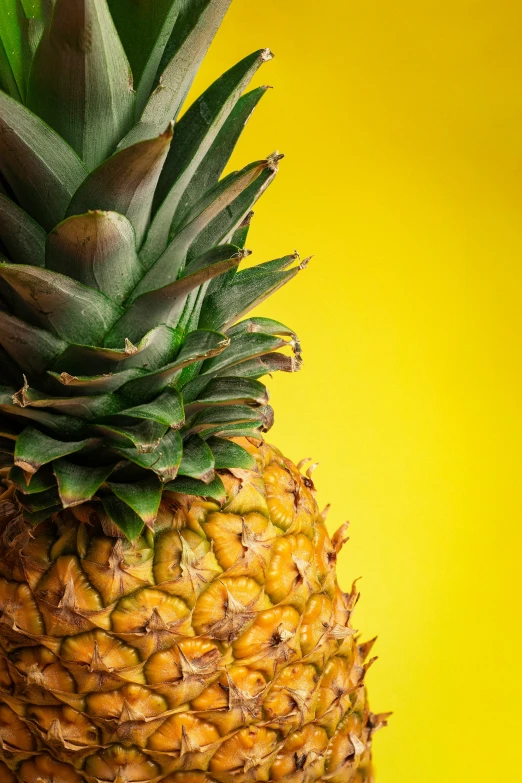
[[169, 606]]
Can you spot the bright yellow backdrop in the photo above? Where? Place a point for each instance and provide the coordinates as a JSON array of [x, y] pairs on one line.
[[402, 125]]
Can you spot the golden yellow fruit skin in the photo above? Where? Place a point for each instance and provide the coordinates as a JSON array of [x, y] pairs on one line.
[[217, 649]]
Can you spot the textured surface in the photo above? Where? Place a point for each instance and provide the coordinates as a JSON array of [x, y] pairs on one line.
[[218, 648]]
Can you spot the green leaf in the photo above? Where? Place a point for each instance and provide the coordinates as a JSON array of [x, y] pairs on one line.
[[94, 385], [195, 134], [40, 167], [166, 268], [31, 348], [214, 420], [143, 497], [156, 349], [164, 461], [125, 183], [225, 304], [223, 227], [77, 484], [263, 365], [198, 346], [198, 460], [165, 305], [243, 346], [224, 391], [213, 164], [14, 41], [193, 32], [188, 486], [41, 481], [40, 501], [34, 449], [123, 516], [83, 407], [166, 409], [239, 237], [64, 426], [154, 21], [97, 249], [264, 325], [145, 435], [40, 516], [22, 237], [80, 82], [69, 309], [230, 455]]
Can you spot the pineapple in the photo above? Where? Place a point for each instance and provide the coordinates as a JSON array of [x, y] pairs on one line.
[[169, 610]]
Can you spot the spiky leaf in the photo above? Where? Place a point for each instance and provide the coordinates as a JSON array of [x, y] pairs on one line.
[[99, 250], [80, 82], [40, 167]]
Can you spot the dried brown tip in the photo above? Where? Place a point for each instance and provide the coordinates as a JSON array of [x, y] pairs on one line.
[[266, 55], [20, 397], [273, 160], [311, 469], [339, 538], [130, 348]]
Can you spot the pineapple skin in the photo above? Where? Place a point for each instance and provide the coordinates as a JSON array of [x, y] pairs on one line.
[[216, 649]]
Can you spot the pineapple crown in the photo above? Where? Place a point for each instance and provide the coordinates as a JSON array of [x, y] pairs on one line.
[[125, 365]]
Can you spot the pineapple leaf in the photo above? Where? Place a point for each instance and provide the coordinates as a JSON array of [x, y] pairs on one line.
[[188, 486], [54, 301], [164, 461], [94, 384], [214, 420], [155, 22], [198, 346], [226, 391], [166, 409], [31, 348], [265, 325], [123, 516], [78, 484], [97, 249], [39, 166], [34, 449], [191, 37], [146, 435], [263, 365], [243, 346], [143, 497], [125, 183], [15, 44], [40, 516], [41, 481], [80, 81], [40, 501], [195, 134], [226, 303], [168, 265], [198, 461], [230, 455], [165, 305], [223, 226], [158, 347], [82, 407], [213, 164], [64, 426], [22, 237]]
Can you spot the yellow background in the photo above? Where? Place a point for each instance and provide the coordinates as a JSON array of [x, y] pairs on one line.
[[402, 125]]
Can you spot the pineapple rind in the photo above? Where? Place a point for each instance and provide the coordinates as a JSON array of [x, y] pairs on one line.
[[216, 649]]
